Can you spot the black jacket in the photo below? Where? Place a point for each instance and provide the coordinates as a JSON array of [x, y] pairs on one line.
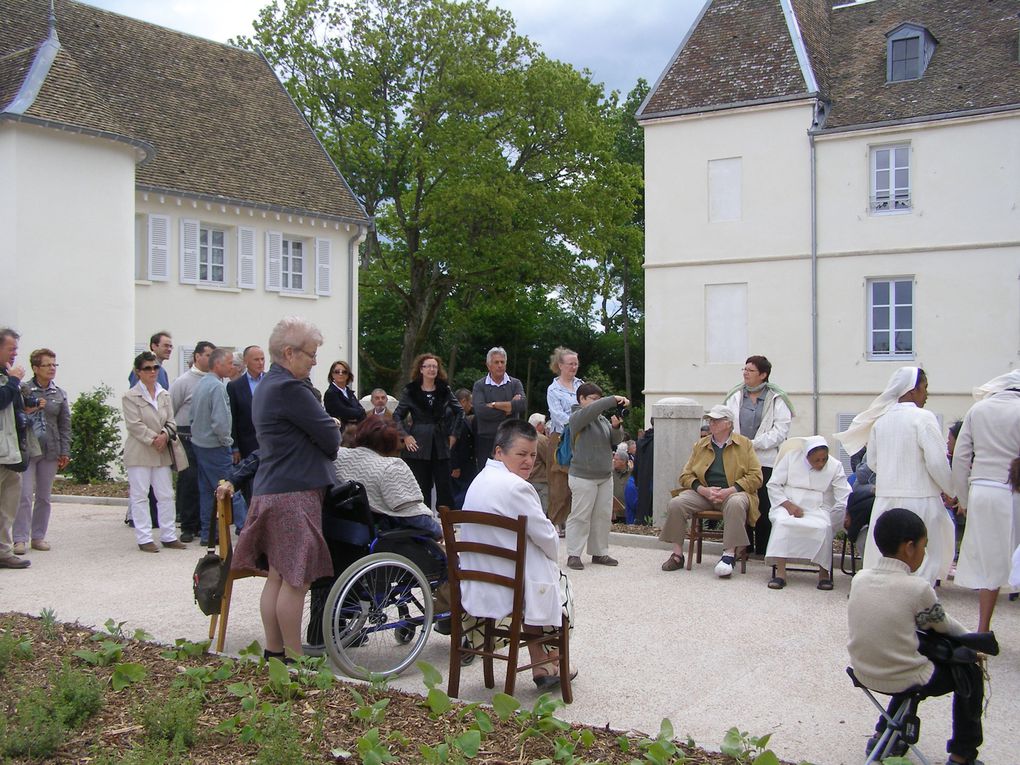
[[347, 408], [432, 425], [242, 428]]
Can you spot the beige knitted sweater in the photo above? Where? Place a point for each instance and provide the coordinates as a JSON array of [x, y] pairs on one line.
[[887, 606]]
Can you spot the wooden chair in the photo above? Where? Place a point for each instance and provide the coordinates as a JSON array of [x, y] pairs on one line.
[[224, 520], [515, 635], [698, 533]]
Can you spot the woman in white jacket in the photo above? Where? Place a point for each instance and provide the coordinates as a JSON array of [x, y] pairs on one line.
[[502, 488], [764, 413]]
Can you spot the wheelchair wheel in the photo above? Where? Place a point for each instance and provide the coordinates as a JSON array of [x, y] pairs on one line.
[[378, 616]]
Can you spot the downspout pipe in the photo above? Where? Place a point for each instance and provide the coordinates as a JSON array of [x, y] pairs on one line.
[[352, 292], [814, 277]]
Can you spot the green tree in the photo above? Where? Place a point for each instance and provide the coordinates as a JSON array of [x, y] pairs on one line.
[[95, 436], [486, 164]]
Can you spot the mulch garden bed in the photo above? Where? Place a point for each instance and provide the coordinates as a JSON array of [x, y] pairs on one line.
[[227, 711]]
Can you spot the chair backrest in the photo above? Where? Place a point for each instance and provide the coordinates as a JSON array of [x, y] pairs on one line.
[[455, 547]]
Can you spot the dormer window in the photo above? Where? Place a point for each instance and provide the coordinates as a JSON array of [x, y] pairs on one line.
[[909, 48]]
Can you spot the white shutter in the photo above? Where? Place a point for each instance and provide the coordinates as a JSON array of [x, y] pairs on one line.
[[843, 420], [274, 251], [158, 248], [323, 267], [189, 251], [186, 354], [246, 258]]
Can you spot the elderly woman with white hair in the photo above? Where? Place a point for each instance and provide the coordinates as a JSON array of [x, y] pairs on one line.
[[298, 442], [908, 454], [809, 491]]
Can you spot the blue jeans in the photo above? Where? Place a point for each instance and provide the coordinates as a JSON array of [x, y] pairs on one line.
[[215, 464]]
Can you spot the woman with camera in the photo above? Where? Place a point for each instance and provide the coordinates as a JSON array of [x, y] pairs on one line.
[[591, 474]]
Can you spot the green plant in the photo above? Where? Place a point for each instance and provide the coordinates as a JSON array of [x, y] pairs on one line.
[[13, 647], [173, 719], [281, 739], [125, 673], [185, 649], [109, 653], [35, 731], [748, 750], [111, 629], [370, 713], [76, 696], [95, 436], [150, 752], [48, 618]]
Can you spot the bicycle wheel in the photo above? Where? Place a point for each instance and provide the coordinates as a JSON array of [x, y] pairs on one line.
[[378, 616]]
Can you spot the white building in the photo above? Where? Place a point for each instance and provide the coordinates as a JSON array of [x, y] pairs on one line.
[[152, 180], [836, 188]]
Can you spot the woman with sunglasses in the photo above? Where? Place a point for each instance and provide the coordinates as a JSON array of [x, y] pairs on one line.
[[149, 420], [340, 399]]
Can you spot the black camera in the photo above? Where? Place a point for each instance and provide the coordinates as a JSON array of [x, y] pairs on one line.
[[31, 401], [622, 411]]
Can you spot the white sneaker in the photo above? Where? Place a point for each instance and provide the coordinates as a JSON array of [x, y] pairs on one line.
[[724, 567]]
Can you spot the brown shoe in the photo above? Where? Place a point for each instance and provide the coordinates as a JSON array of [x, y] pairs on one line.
[[19, 548], [149, 547], [673, 563], [40, 544], [176, 545], [11, 561], [605, 560], [574, 562]]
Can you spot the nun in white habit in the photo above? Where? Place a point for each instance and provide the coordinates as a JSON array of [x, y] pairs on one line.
[[907, 451], [809, 492]]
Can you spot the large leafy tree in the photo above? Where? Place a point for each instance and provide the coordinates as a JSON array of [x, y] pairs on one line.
[[487, 165]]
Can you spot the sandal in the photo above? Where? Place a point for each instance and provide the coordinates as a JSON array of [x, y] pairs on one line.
[[824, 584], [777, 583], [549, 680]]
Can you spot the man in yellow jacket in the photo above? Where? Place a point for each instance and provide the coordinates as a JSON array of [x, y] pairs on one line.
[[723, 473]]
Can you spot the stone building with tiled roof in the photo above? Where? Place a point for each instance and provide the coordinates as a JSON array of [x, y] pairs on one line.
[[153, 180], [837, 187]]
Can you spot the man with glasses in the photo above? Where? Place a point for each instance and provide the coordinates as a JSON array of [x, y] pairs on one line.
[[187, 480]]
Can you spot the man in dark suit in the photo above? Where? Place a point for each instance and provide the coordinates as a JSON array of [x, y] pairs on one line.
[[240, 393]]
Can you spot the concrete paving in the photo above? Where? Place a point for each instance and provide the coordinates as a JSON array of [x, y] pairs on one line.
[[705, 653]]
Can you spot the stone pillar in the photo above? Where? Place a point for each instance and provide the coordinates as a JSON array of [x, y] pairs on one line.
[[677, 424]]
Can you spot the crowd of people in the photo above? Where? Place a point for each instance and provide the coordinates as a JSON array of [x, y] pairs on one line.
[[780, 498]]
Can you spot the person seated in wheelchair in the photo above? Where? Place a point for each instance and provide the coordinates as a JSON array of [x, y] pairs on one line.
[[808, 492], [502, 488], [393, 493], [887, 607]]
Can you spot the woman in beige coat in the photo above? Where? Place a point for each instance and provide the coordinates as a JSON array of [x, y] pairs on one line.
[[149, 419]]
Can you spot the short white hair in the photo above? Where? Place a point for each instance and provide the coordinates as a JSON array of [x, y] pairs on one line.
[[292, 332], [496, 351]]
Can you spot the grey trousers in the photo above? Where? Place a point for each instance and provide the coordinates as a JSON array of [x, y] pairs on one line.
[[688, 502]]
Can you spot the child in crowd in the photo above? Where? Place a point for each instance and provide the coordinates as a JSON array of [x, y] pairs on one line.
[[887, 606]]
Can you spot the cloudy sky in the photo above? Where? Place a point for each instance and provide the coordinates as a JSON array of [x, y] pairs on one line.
[[618, 40]]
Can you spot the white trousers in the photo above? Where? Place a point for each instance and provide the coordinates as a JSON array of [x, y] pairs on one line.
[[591, 515], [941, 534], [139, 481]]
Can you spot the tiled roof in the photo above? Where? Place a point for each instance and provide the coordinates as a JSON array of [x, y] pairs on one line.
[[974, 66], [742, 50], [221, 123], [14, 68]]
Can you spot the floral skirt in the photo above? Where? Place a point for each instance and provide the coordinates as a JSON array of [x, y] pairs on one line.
[[285, 531]]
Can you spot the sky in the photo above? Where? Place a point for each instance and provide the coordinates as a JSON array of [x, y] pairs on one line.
[[617, 40]]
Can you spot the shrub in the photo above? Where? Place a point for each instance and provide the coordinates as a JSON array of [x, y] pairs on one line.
[[34, 731], [95, 436], [76, 696], [173, 720]]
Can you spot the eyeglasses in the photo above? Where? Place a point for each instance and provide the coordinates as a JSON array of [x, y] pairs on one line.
[[430, 366], [151, 368], [312, 356]]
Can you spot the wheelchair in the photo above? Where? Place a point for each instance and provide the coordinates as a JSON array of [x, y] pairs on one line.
[[376, 613]]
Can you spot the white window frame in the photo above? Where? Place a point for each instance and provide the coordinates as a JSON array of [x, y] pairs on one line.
[[205, 252], [287, 260], [893, 329], [887, 197]]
